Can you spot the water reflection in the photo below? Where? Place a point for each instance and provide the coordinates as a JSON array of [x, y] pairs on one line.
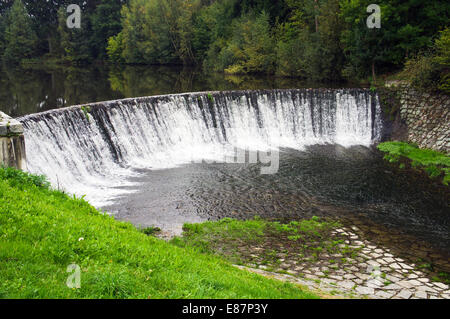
[[31, 90]]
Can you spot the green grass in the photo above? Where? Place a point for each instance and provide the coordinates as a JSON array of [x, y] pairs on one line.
[[436, 164], [42, 231]]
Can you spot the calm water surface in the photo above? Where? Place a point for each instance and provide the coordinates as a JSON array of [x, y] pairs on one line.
[[27, 91]]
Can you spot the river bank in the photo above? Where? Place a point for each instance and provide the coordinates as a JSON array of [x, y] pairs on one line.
[[323, 255], [44, 233]]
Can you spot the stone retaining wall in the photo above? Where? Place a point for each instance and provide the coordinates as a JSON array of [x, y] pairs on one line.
[[427, 118]]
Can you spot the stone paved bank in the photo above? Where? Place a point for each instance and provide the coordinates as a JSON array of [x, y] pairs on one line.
[[375, 272]]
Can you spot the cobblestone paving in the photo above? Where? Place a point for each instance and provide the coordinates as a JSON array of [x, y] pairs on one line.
[[374, 273]]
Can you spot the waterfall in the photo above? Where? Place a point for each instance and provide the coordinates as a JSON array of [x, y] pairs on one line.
[[94, 149]]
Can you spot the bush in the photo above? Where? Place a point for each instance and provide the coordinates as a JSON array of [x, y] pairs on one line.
[[422, 72], [442, 58], [431, 71]]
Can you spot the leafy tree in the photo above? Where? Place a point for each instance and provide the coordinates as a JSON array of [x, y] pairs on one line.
[[330, 28], [421, 72], [74, 43], [145, 36], [158, 31], [290, 50], [19, 37], [5, 5], [309, 42], [275, 10], [106, 23], [3, 25], [45, 20], [407, 27], [212, 31], [364, 47], [252, 47], [314, 39], [442, 45], [115, 48]]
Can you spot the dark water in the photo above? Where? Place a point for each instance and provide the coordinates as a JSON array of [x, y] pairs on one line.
[[353, 185], [32, 90]]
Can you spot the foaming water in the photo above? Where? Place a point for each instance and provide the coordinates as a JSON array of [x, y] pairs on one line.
[[95, 150]]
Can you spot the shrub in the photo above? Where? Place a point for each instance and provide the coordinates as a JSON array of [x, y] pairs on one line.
[[442, 58], [422, 72], [431, 71]]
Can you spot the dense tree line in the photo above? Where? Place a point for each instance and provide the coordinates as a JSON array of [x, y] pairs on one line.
[[49, 36], [315, 39]]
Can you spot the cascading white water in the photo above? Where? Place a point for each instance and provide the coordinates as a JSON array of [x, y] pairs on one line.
[[92, 150]]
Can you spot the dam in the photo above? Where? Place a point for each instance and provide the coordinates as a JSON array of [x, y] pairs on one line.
[[159, 160]]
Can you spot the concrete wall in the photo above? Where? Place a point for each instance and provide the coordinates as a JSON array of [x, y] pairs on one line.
[[12, 143]]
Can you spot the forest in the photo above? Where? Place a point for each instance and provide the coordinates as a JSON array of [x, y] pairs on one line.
[[320, 40]]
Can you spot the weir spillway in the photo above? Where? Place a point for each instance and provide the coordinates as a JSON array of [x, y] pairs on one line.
[[92, 149]]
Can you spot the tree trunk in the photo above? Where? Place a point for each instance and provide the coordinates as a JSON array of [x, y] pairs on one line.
[[374, 79], [50, 47], [316, 18]]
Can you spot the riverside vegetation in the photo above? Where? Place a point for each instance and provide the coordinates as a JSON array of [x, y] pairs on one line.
[[321, 40], [436, 164], [42, 231]]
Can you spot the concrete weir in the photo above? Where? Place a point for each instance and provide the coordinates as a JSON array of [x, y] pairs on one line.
[[12, 143]]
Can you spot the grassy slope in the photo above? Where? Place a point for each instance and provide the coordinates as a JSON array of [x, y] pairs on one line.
[[436, 164], [43, 231]]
